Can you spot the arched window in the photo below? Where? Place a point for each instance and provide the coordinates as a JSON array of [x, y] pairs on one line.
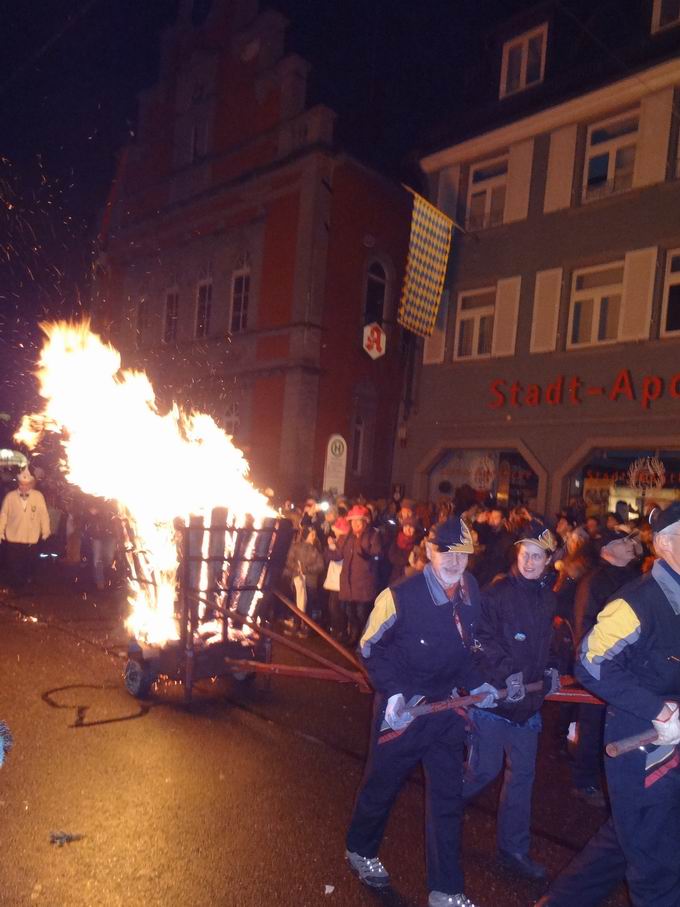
[[203, 308], [240, 295], [376, 289]]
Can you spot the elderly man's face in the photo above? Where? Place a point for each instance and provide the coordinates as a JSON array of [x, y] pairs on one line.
[[448, 566]]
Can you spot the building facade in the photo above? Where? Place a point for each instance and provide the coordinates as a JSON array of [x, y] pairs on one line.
[[555, 363], [243, 254]]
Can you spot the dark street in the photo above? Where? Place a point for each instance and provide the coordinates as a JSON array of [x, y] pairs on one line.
[[242, 800]]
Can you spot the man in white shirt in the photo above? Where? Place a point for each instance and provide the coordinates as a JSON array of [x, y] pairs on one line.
[[24, 520]]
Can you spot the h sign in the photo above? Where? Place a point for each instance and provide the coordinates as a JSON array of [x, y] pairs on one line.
[[375, 340]]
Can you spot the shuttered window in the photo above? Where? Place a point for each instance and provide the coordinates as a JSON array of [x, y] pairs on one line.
[[655, 126], [560, 176], [507, 311], [547, 293], [434, 346], [638, 290], [519, 181]]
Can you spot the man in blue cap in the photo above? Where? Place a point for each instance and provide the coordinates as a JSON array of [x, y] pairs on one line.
[[631, 660], [515, 633], [417, 642]]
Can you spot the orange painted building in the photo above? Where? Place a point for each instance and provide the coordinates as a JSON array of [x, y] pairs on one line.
[[243, 253]]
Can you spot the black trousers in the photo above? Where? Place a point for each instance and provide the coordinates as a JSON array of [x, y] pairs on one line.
[[436, 741], [587, 765], [638, 844], [20, 561]]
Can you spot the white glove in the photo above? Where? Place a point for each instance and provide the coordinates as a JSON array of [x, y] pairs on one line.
[[489, 702], [514, 685], [668, 731], [396, 714]]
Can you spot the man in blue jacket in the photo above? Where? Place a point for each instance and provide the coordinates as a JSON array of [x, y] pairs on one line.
[[631, 660], [418, 643]]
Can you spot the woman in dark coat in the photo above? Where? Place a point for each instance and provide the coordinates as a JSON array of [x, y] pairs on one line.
[[360, 551]]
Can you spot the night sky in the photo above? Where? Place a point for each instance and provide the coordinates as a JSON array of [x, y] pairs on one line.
[[70, 72]]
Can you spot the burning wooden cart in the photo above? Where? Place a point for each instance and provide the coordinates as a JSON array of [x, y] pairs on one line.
[[225, 582]]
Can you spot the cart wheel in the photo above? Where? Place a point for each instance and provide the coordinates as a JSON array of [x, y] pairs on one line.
[[138, 679]]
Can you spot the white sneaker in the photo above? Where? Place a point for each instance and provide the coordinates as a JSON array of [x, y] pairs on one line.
[[439, 899], [369, 870]]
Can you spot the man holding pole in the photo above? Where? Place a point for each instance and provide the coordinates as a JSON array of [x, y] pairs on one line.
[[631, 660], [417, 643]]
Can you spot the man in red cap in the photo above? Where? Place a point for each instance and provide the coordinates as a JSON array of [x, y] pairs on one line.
[[631, 660], [418, 643], [359, 550]]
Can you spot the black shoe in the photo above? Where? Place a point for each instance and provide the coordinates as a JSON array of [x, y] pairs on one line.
[[522, 864], [591, 795]]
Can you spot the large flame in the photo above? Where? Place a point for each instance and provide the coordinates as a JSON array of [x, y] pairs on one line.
[[156, 467]]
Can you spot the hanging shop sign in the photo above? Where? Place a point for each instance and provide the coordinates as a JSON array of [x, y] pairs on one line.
[[572, 391], [336, 465], [375, 340]]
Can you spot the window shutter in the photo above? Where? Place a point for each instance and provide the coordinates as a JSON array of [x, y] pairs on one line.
[[434, 346], [652, 150], [519, 181], [505, 316], [560, 169], [448, 189], [547, 293], [638, 287]]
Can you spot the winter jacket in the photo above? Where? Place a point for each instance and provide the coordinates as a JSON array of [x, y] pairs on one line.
[[594, 589], [360, 556], [631, 660], [412, 643], [515, 632], [305, 560], [398, 555]]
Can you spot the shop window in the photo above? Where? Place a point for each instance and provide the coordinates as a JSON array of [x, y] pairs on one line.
[[486, 195], [670, 318], [474, 324], [232, 418], [240, 297], [665, 14], [610, 156], [523, 63], [203, 307], [596, 305], [170, 317], [376, 291]]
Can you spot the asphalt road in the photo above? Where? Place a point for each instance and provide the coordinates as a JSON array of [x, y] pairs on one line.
[[241, 800]]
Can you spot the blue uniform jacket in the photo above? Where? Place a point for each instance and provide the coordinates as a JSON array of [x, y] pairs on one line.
[[412, 643]]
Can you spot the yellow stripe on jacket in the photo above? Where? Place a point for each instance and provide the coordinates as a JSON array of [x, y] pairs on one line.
[[617, 626], [383, 615]]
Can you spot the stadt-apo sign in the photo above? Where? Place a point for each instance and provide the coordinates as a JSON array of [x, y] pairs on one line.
[[375, 340], [572, 391]]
